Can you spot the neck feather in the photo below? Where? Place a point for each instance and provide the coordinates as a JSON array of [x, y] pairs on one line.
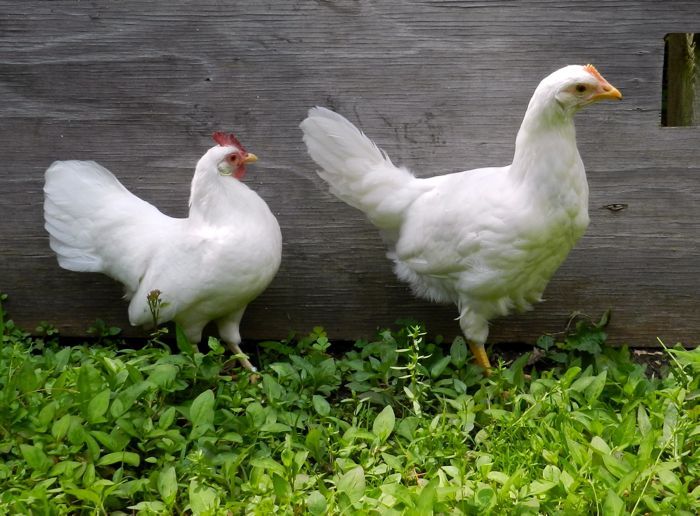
[[546, 141], [215, 198]]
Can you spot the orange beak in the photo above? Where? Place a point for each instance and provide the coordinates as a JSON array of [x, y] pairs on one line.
[[605, 90], [250, 158]]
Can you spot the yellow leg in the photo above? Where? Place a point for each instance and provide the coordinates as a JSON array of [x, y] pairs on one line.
[[480, 356]]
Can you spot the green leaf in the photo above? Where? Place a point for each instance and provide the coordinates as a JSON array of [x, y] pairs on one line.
[[384, 423], [183, 343], [47, 415], [600, 445], [539, 487], [569, 376], [60, 427], [125, 400], [458, 352], [594, 390], [153, 507], [167, 485], [613, 504], [97, 407], [215, 345], [577, 451], [669, 479], [670, 421], [105, 440], [486, 498], [498, 476], [426, 498], [321, 406], [89, 380], [203, 499], [625, 433], [166, 418], [86, 495], [688, 357], [201, 413], [275, 428], [130, 458], [163, 375], [352, 484], [266, 463], [35, 457], [28, 380], [317, 443], [643, 421], [545, 342], [316, 503], [439, 367], [617, 467], [582, 384], [281, 488]]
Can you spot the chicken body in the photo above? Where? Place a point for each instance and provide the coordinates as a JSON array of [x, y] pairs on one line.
[[488, 239], [207, 267]]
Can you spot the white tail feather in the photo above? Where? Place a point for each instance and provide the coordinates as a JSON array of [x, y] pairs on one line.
[[357, 171], [74, 191], [94, 222]]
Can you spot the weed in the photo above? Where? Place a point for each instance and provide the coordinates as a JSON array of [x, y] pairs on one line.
[[397, 425]]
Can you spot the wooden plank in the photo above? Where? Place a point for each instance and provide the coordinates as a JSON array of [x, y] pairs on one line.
[[679, 80], [441, 85]]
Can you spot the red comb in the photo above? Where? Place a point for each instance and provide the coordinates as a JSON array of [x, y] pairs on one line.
[[595, 73], [227, 140]]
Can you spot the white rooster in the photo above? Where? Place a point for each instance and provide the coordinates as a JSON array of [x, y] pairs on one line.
[[488, 239], [207, 267]]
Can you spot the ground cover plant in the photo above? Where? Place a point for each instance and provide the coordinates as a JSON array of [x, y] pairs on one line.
[[396, 425]]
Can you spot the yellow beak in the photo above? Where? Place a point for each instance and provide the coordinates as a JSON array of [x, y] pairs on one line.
[[607, 91], [250, 158]]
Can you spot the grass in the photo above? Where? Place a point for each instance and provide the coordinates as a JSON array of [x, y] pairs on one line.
[[398, 425]]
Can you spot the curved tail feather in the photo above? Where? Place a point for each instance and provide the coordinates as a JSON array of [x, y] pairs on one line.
[[96, 225], [358, 172]]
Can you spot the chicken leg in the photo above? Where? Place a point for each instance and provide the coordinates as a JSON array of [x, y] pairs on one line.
[[480, 356], [229, 332]]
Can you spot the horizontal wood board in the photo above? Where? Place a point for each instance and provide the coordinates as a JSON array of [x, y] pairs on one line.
[[440, 85]]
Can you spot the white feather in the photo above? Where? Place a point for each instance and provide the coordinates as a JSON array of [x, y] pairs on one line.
[[208, 266], [489, 239], [357, 171]]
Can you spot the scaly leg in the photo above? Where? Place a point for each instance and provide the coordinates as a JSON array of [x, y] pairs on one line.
[[476, 330], [480, 356], [228, 329], [244, 360]]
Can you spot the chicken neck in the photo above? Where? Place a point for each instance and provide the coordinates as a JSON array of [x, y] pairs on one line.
[[546, 158], [216, 199]]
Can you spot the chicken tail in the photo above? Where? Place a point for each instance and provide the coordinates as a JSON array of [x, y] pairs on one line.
[[358, 172], [74, 194], [93, 221]]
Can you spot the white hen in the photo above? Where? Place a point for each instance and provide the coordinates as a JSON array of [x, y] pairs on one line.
[[207, 267], [488, 239]]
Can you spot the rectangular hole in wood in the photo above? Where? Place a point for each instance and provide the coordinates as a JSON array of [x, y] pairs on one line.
[[680, 92]]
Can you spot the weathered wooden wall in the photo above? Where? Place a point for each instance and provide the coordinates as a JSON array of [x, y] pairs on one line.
[[441, 85]]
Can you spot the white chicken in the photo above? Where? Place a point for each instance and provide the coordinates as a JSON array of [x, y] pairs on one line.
[[488, 239], [207, 267]]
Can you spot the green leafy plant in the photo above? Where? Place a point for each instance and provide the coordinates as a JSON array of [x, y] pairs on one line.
[[103, 429]]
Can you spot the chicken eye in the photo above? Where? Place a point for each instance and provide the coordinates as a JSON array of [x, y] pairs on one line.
[[581, 88]]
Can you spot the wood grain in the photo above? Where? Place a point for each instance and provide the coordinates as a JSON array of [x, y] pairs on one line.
[[440, 85]]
